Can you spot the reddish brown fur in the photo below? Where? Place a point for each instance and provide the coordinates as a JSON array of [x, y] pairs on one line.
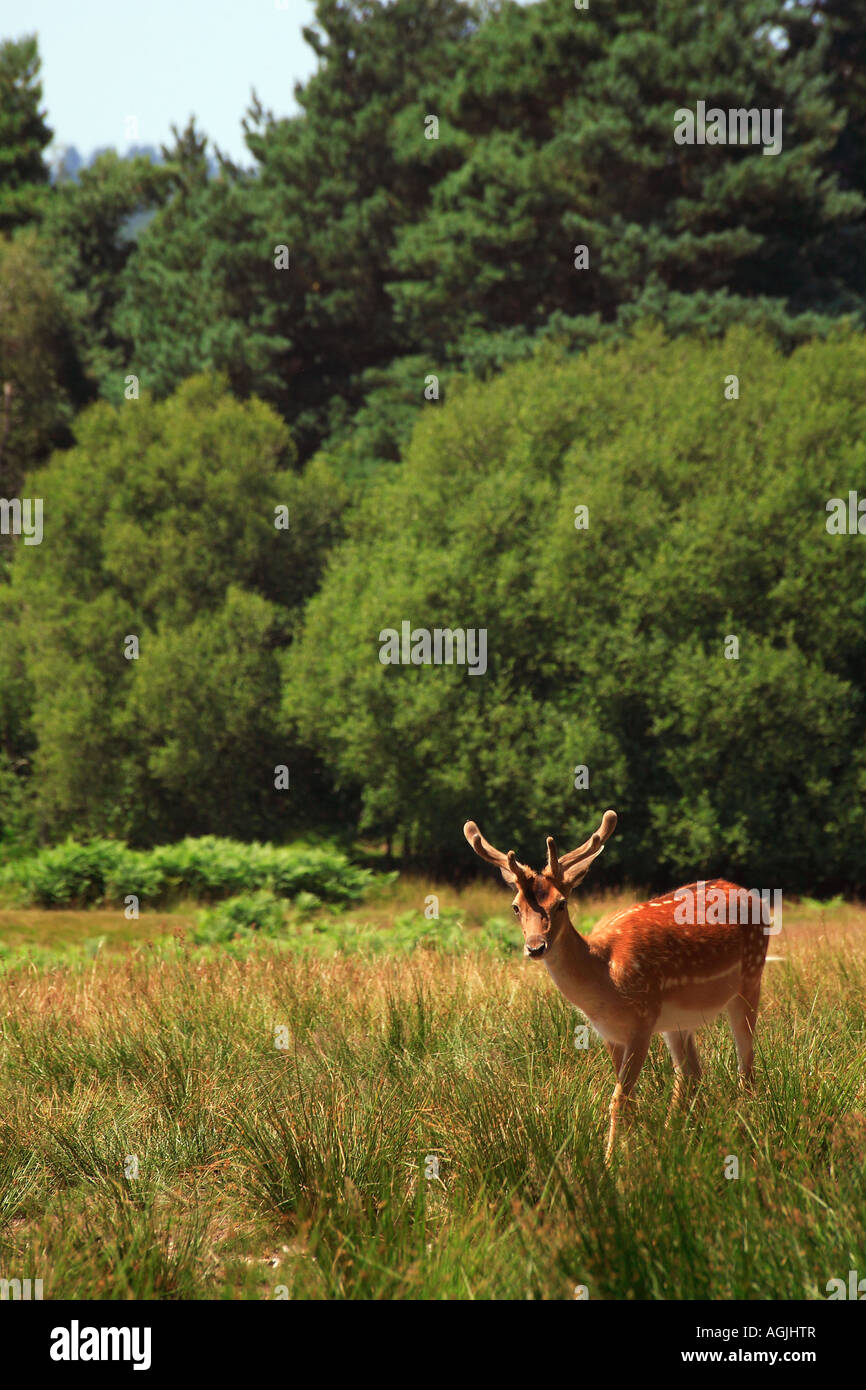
[[645, 944]]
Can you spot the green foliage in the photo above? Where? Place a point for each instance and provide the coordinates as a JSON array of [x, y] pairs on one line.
[[40, 377], [606, 645], [80, 875], [838, 29], [184, 303], [17, 829], [85, 239], [239, 922], [411, 255], [452, 257], [17, 819], [160, 523], [240, 917], [211, 867], [202, 290], [106, 871], [23, 134], [689, 235]]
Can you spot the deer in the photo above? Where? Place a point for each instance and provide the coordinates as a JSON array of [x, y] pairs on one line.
[[642, 970]]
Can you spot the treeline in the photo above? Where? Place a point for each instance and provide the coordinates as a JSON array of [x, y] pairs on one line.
[[411, 255], [399, 426], [648, 554]]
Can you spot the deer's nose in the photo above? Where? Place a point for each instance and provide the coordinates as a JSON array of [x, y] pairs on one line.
[[535, 946]]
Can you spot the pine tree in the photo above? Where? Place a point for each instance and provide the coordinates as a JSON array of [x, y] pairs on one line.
[[571, 119], [332, 185], [24, 134]]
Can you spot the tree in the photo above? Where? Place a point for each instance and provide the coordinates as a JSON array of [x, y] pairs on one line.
[[162, 523], [24, 134], [410, 255], [85, 238], [204, 290], [199, 290], [17, 828], [41, 378], [836, 30], [608, 641], [699, 237]]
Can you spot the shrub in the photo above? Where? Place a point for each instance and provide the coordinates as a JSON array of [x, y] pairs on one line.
[[241, 916], [105, 871], [79, 875]]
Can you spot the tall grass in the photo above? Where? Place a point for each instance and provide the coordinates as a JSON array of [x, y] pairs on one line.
[[303, 1167]]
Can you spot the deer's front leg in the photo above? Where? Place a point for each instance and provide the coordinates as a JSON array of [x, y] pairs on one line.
[[634, 1056]]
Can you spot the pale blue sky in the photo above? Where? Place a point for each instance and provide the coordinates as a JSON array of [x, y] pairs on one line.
[[162, 61]]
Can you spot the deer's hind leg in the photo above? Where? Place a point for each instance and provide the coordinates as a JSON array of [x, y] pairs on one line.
[[687, 1064], [743, 1015]]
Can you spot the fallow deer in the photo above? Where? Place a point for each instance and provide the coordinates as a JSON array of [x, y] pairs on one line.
[[641, 971]]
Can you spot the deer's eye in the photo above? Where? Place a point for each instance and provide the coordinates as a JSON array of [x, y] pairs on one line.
[[515, 909]]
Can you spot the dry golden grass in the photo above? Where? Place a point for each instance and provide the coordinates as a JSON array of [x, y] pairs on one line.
[[305, 1167]]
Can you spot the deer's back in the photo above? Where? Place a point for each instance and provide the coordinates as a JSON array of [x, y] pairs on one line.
[[654, 947]]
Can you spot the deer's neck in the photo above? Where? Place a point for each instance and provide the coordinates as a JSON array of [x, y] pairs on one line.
[[576, 973]]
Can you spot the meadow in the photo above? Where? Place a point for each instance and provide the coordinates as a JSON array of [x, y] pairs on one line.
[[543, 379], [284, 1098]]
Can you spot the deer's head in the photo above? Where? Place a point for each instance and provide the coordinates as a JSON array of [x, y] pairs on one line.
[[540, 900]]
